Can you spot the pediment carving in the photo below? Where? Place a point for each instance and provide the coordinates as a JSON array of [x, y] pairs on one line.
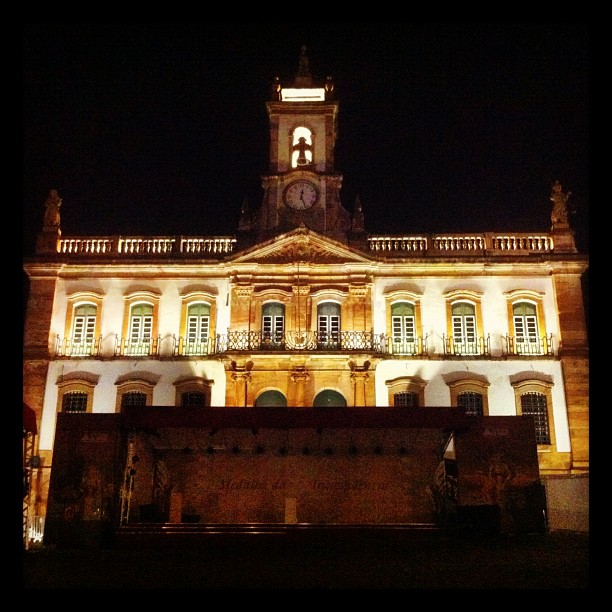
[[301, 245]]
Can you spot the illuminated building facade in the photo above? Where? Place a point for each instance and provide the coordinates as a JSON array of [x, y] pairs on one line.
[[302, 308]]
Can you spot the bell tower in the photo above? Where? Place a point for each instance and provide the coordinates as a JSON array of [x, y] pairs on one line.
[[302, 186]]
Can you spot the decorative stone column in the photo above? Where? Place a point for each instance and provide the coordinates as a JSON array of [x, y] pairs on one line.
[[360, 378], [238, 377], [299, 376]]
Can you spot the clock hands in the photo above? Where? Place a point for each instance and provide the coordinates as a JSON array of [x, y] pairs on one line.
[[300, 195]]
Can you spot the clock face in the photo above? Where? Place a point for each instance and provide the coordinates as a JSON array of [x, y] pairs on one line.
[[301, 195]]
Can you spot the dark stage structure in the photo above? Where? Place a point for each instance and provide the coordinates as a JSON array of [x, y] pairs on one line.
[[233, 468]]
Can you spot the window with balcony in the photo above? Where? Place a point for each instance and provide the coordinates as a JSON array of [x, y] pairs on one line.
[[527, 340], [403, 328], [403, 323], [81, 336], [526, 323], [141, 328], [198, 325], [273, 325], [328, 325], [198, 329], [464, 325], [84, 329], [464, 328]]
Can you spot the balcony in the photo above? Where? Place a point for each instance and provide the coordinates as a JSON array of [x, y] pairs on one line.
[[149, 347], [457, 346], [415, 347], [529, 346], [185, 347], [298, 341], [68, 347], [347, 341]]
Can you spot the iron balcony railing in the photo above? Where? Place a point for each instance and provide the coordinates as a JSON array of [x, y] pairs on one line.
[[68, 347], [186, 347], [458, 346], [416, 346], [258, 341], [301, 341], [521, 345], [149, 347]]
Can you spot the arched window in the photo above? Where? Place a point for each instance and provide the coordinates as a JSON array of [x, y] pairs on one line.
[[464, 328], [526, 324], [273, 323], [525, 319], [301, 147], [328, 325], [141, 329], [403, 327], [198, 329], [84, 329]]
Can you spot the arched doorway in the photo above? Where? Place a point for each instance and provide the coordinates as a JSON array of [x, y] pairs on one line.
[[329, 397], [271, 399]]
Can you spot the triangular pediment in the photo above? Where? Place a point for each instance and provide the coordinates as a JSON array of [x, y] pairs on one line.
[[300, 244]]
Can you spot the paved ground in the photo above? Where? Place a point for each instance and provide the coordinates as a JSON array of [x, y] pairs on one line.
[[426, 561]]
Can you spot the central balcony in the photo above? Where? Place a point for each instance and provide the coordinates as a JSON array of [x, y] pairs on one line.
[[345, 341]]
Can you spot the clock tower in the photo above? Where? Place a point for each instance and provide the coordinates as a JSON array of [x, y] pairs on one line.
[[302, 186]]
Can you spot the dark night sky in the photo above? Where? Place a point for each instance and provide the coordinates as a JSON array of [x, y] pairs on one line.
[[162, 129]]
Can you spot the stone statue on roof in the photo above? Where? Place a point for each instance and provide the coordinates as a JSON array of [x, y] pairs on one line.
[[560, 210], [52, 212]]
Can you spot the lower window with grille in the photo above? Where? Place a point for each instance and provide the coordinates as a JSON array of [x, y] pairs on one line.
[[406, 399], [191, 399], [133, 398], [74, 401], [535, 404], [470, 403]]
